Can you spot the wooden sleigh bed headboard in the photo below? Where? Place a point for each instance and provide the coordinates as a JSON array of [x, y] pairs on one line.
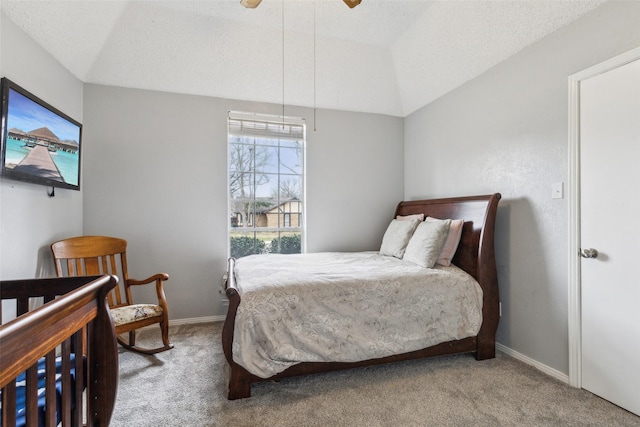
[[475, 255], [73, 321], [478, 213]]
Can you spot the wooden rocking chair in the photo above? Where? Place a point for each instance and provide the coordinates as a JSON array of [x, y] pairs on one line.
[[97, 255]]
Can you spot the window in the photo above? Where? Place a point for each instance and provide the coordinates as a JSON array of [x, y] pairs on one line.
[[266, 165]]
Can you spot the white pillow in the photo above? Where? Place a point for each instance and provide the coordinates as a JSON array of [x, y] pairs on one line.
[[426, 243], [451, 244], [397, 236]]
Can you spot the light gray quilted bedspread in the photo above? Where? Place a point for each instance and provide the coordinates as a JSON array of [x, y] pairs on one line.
[[346, 307]]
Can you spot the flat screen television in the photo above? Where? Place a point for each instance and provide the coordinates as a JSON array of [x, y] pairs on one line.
[[40, 144]]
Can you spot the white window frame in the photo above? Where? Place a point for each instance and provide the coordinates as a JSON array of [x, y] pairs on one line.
[[282, 128]]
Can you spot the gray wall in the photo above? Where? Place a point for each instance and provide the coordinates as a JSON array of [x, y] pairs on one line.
[[506, 131], [155, 174], [29, 219]]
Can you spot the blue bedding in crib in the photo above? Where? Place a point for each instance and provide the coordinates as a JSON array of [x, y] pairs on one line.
[[21, 385]]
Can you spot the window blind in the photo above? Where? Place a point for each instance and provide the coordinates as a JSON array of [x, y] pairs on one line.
[[270, 126]]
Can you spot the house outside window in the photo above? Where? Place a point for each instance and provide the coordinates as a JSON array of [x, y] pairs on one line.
[[266, 171]]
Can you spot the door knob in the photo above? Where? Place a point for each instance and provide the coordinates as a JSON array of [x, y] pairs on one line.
[[589, 253]]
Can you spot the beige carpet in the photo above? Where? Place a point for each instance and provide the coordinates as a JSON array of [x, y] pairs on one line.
[[186, 387]]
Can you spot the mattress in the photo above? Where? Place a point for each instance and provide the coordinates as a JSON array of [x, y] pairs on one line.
[[346, 307]]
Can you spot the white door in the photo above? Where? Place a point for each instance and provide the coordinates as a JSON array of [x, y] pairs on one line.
[[610, 224]]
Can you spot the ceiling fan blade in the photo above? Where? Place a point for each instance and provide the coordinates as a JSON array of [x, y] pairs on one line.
[[251, 4], [352, 3]]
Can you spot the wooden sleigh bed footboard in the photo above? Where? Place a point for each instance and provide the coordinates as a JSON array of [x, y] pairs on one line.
[[59, 362], [475, 255]]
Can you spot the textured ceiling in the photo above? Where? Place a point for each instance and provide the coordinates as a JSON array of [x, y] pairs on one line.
[[384, 56]]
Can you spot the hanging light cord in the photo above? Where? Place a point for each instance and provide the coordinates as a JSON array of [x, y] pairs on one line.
[[314, 65], [283, 63]]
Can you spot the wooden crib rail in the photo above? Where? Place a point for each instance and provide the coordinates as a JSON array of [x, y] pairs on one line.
[[79, 317]]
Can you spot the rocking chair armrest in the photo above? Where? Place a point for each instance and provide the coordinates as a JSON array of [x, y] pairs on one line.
[[159, 276], [158, 279]]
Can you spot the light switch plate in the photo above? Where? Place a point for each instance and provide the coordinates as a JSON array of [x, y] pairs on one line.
[[557, 190]]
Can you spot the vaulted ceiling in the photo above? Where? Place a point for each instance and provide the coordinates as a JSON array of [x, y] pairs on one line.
[[383, 56]]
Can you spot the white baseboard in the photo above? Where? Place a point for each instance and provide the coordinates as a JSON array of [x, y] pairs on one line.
[[529, 361], [192, 320]]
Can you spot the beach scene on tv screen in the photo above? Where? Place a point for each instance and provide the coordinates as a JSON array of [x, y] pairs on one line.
[[41, 143]]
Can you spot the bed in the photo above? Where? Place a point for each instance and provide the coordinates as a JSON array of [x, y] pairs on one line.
[[58, 362], [474, 258]]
